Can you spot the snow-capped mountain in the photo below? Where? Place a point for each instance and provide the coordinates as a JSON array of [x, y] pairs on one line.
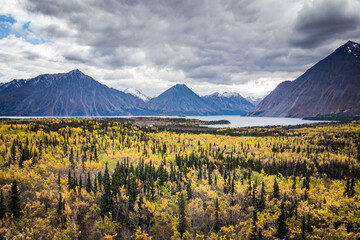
[[254, 100], [137, 93]]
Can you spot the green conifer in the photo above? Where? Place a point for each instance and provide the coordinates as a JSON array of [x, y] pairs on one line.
[[276, 192], [182, 226], [282, 231], [14, 200], [2, 205]]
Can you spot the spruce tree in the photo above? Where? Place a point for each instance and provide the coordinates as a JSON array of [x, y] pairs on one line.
[[303, 228], [281, 227], [262, 198], [182, 220], [14, 200], [352, 187], [71, 157], [259, 237], [88, 183], [188, 189], [2, 205], [13, 153], [276, 193], [59, 181], [308, 226], [60, 205], [254, 235], [140, 210], [69, 181], [106, 198], [217, 219]]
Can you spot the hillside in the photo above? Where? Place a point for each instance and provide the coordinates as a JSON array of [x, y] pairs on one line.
[[330, 87]]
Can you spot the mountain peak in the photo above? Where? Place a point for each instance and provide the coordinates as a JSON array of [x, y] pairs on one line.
[[352, 44], [330, 87], [230, 94], [180, 85], [350, 48], [75, 72]]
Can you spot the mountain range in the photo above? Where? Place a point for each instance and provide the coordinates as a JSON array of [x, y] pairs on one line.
[[329, 88], [76, 94]]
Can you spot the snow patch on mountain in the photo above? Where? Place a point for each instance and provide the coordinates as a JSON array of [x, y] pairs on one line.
[[137, 93]]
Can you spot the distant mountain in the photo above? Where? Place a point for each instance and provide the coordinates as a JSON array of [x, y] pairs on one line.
[[65, 94], [228, 103], [331, 87], [137, 93], [254, 100], [179, 100]]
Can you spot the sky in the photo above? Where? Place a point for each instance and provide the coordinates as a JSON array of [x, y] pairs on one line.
[[244, 46]]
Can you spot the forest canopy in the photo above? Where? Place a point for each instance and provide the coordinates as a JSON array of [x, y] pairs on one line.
[[107, 179]]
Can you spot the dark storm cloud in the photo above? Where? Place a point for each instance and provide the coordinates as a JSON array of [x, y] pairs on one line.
[[322, 21]]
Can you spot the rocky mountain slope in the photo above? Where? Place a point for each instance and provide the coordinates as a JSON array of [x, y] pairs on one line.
[[65, 94], [179, 100], [330, 87], [228, 103]]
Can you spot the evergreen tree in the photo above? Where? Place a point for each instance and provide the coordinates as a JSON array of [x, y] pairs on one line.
[[188, 189], [88, 183], [140, 210], [281, 227], [217, 219], [2, 205], [182, 220], [95, 184], [60, 205], [308, 226], [70, 182], [254, 235], [13, 153], [352, 187], [209, 177], [303, 228], [276, 193], [262, 198], [259, 237], [59, 181], [232, 186], [106, 198], [14, 200], [71, 157]]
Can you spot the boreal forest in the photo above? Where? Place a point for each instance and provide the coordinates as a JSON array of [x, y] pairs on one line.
[[107, 179]]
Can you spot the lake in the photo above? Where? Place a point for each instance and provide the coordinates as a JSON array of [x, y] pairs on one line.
[[236, 121]]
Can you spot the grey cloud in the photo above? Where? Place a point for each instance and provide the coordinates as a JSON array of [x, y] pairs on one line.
[[323, 21], [207, 41]]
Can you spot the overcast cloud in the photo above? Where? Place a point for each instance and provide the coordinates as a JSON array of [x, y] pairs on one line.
[[247, 46]]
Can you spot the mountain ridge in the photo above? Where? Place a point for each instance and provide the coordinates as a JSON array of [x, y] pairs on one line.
[[330, 87], [65, 94], [76, 94]]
